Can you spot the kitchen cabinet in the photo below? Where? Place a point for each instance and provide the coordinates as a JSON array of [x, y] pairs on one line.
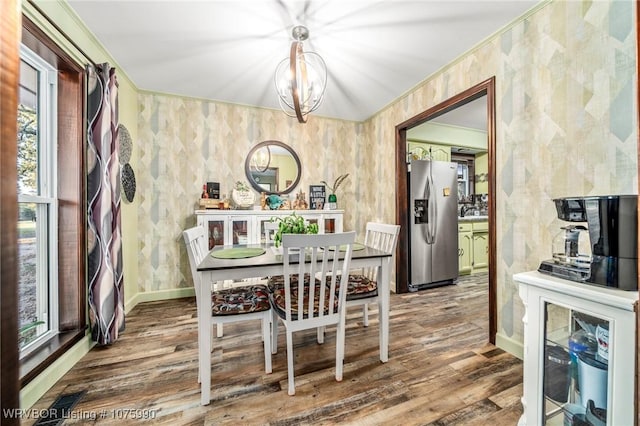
[[465, 248], [422, 150], [579, 352], [229, 227], [480, 246], [473, 247]]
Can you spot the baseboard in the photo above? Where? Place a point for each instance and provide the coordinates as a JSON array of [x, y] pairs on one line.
[[152, 296], [37, 387], [510, 345]]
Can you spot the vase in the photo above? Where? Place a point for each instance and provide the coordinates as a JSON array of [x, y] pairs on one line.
[[333, 202]]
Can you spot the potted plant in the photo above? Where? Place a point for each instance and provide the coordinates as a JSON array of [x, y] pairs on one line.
[[333, 199], [292, 224]]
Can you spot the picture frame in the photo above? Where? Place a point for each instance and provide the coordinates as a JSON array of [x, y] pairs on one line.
[[213, 190], [317, 197]]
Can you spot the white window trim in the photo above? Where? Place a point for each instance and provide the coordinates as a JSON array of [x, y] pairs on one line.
[[47, 197]]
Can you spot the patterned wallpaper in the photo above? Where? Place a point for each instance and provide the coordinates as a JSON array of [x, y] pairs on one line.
[[186, 142], [566, 125]]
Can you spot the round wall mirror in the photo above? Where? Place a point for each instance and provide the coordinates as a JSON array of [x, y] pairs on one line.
[[273, 167]]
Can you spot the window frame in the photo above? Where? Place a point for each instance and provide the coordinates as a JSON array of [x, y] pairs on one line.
[[71, 197], [45, 200]]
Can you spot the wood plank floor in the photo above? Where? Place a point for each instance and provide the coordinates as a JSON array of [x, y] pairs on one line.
[[441, 370]]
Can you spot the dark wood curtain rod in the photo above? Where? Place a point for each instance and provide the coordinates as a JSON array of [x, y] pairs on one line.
[[45, 16]]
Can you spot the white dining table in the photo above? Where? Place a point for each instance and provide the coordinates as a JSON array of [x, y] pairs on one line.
[[269, 264]]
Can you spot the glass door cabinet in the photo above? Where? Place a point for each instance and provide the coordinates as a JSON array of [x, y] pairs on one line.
[[579, 352]]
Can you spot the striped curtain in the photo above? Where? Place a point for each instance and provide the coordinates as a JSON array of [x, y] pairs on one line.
[[104, 242]]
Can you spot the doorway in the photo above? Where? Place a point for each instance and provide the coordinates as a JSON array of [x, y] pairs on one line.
[[486, 89]]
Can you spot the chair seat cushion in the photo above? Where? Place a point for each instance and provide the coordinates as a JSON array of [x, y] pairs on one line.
[[361, 287], [277, 281], [240, 300], [278, 300]]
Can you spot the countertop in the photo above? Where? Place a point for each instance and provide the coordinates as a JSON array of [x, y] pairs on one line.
[[472, 218]]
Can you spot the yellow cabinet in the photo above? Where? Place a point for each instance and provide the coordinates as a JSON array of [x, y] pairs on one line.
[[480, 251], [421, 150], [465, 248], [473, 247]]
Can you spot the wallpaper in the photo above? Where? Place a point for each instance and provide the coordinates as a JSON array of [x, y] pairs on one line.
[[186, 142], [566, 125]]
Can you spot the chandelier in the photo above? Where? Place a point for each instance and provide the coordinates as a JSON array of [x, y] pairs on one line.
[[301, 79]]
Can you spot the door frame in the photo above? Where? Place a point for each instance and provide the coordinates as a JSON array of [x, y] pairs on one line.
[[485, 88]]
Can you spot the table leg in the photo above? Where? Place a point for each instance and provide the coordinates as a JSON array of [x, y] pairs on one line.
[[385, 290], [204, 342]]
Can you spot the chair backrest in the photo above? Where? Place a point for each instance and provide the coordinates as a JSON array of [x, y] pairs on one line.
[[195, 241], [270, 229], [381, 236], [317, 303]]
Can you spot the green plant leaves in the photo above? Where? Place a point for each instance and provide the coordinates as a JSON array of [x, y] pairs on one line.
[[292, 224]]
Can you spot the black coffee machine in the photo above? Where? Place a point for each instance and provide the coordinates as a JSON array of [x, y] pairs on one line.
[[612, 227]]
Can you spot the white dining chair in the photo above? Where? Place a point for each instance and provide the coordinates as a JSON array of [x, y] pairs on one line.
[[224, 304], [270, 229], [363, 286], [302, 303]]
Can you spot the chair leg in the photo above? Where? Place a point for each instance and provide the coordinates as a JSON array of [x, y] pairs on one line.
[[292, 384], [274, 332], [266, 338], [320, 332], [219, 330], [365, 314], [340, 338]]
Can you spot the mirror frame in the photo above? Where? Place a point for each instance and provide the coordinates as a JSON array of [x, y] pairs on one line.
[[254, 184]]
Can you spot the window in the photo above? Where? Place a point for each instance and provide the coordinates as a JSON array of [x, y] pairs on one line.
[[37, 203], [54, 91], [466, 181]]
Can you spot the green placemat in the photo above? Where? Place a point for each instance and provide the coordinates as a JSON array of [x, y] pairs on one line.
[[356, 247], [238, 253]]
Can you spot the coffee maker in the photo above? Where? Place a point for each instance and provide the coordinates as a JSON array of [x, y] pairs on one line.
[[605, 251]]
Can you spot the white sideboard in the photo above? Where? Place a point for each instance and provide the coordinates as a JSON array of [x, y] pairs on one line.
[[228, 227], [556, 309]]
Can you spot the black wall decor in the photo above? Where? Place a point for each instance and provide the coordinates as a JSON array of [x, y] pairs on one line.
[[317, 197]]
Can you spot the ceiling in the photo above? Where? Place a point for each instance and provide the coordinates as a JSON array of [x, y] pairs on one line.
[[471, 115], [227, 50]]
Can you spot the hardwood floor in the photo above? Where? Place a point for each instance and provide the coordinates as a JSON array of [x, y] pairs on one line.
[[441, 370]]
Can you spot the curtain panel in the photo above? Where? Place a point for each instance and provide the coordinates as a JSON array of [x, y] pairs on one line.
[[104, 242]]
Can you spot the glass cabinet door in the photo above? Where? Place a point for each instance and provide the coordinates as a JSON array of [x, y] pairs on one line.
[[216, 233], [329, 226], [576, 367], [239, 231]]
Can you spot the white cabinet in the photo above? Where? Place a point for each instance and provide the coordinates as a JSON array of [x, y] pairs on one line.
[[229, 227], [564, 366]]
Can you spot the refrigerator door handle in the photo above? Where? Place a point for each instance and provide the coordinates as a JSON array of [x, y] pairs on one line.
[[432, 211], [433, 204]]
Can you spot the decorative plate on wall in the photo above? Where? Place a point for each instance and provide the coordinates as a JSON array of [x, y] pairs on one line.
[[128, 179], [125, 145]]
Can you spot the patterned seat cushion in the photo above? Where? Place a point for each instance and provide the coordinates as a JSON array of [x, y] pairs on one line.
[[240, 300], [277, 281], [278, 299], [361, 287]]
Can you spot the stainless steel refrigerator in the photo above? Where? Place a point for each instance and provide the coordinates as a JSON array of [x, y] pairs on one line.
[[433, 223]]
